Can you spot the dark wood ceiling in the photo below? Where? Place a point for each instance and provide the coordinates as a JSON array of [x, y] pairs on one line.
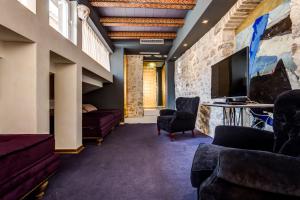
[[142, 19]]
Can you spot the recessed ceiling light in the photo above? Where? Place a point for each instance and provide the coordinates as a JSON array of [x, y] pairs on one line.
[[185, 44], [205, 21], [175, 57]]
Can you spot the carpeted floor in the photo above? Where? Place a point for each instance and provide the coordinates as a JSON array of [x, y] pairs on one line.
[[132, 164]]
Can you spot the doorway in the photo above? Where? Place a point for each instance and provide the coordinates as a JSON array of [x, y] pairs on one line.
[[154, 78], [51, 102]]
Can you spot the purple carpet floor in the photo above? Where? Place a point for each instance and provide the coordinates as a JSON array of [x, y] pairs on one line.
[[133, 163]]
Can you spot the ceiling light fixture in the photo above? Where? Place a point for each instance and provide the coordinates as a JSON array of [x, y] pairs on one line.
[[185, 44], [149, 53], [175, 57], [151, 65], [205, 21]]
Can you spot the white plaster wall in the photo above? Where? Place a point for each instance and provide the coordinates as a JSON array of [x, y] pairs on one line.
[[18, 88], [31, 97]]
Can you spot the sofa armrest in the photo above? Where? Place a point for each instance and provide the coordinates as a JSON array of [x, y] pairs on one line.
[[184, 115], [165, 112], [260, 170], [244, 138]]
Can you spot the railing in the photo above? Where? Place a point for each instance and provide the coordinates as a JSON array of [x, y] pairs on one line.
[[93, 45]]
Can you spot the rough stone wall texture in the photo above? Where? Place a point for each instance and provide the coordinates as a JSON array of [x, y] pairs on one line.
[[295, 17], [135, 86], [193, 69], [193, 72]]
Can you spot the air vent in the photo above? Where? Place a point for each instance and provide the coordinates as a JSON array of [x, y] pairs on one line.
[[152, 41]]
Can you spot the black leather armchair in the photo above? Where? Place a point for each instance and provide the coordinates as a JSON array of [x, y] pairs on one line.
[[180, 120], [246, 163]]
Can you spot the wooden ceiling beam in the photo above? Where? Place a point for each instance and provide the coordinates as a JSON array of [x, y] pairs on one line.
[[191, 2], [140, 25], [129, 21], [164, 4], [141, 35]]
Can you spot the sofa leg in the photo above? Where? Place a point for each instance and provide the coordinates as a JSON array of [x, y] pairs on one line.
[[172, 137], [193, 133], [40, 192], [158, 130], [99, 141], [183, 132]]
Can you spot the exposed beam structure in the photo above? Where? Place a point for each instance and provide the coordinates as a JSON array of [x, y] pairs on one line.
[[129, 21], [160, 4], [141, 35]]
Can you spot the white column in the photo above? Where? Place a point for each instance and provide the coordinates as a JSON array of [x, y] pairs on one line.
[[68, 106]]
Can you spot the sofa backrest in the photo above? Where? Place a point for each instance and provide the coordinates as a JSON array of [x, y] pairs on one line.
[[287, 123]]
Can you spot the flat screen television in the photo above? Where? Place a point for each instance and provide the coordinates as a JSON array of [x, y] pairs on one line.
[[230, 76]]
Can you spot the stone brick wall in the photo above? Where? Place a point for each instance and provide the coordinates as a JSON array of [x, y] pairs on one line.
[[193, 69], [295, 17], [135, 86], [193, 72]]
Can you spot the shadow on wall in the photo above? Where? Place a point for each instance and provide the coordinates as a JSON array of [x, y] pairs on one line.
[[111, 95]]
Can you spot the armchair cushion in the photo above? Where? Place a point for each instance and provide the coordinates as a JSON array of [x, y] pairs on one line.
[[218, 189], [244, 138], [260, 170], [204, 163], [184, 115], [165, 112]]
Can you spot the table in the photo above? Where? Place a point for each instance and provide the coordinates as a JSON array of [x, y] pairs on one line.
[[229, 111]]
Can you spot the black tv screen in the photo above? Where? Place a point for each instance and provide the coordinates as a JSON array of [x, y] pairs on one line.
[[230, 76]]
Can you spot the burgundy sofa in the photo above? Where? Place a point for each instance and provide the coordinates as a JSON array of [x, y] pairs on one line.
[[98, 124], [26, 163]]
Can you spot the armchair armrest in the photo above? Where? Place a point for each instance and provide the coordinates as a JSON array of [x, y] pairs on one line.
[[244, 138], [184, 115], [165, 112], [259, 170]]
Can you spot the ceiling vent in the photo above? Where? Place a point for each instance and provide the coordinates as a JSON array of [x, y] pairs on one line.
[[152, 41]]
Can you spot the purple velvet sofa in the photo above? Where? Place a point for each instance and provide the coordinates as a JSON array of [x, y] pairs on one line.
[[98, 124], [26, 163]]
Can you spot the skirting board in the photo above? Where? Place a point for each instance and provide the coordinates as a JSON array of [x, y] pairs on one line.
[[70, 151]]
